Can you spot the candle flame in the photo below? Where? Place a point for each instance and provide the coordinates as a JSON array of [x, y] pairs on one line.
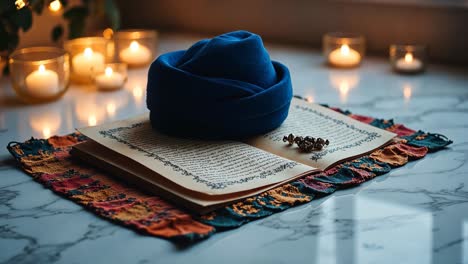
[[134, 46], [109, 71], [55, 6], [310, 99], [408, 57], [41, 68], [344, 49], [88, 52]]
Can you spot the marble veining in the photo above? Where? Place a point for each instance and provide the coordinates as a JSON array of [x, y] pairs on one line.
[[414, 214]]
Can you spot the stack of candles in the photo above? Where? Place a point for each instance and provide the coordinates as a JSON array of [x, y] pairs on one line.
[[42, 74]]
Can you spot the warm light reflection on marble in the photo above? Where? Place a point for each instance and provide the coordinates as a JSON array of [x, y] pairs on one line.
[[137, 87], [344, 82], [101, 107], [92, 121], [45, 123], [110, 108], [407, 92], [89, 112], [114, 102]]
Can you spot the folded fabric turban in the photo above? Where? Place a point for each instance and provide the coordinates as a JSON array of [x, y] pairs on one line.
[[221, 88]]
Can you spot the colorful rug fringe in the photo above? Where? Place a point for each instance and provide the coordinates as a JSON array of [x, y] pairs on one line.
[[49, 162]]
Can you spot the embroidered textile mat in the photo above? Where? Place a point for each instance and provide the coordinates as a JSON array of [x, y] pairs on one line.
[[49, 162]]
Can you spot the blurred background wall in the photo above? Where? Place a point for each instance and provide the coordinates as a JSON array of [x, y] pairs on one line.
[[442, 25]]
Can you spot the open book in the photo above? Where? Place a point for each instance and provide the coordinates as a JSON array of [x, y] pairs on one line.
[[204, 175]]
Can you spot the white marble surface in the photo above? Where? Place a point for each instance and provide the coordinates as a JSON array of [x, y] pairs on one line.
[[415, 214]]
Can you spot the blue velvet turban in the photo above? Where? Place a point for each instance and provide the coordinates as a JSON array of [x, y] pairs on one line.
[[221, 88]]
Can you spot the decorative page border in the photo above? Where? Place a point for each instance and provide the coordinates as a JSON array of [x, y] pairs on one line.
[[111, 133]]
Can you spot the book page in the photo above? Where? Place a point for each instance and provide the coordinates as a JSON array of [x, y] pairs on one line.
[[132, 172], [348, 137], [210, 167]]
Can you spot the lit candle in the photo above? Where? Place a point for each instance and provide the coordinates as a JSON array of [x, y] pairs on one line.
[[135, 54], [408, 63], [110, 80], [344, 57], [86, 63], [42, 83]]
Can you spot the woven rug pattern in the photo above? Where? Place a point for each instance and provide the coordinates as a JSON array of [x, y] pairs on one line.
[[49, 162]]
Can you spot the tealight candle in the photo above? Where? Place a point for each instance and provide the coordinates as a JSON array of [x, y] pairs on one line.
[[135, 54], [408, 58], [408, 63], [344, 57], [110, 80], [88, 62], [42, 83], [39, 74], [344, 50], [135, 47]]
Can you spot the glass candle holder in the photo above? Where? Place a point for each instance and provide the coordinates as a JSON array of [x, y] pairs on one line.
[[408, 58], [2, 65], [39, 74], [88, 57], [137, 48], [343, 50], [113, 77]]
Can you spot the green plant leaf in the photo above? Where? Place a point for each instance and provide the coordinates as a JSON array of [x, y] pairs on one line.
[[13, 41], [22, 18], [64, 3], [98, 7], [78, 12], [6, 69], [57, 33], [76, 21], [6, 6], [76, 28], [3, 38], [113, 14]]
